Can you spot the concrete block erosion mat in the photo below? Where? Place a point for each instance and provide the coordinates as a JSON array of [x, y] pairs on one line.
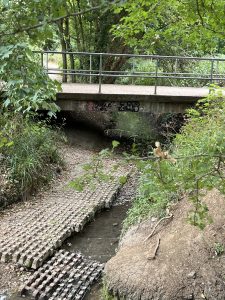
[[32, 240]]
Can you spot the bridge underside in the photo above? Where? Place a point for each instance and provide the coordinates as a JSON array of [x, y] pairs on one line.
[[86, 97]]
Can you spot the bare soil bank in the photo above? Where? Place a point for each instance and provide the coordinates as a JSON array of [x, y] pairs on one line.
[[187, 263]]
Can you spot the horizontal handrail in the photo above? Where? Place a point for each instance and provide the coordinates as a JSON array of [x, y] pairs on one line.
[[132, 55], [128, 72]]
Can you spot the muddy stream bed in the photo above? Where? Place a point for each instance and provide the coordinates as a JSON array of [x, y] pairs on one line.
[[99, 238]]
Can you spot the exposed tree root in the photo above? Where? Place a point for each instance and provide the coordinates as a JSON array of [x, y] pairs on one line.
[[156, 225], [153, 256]]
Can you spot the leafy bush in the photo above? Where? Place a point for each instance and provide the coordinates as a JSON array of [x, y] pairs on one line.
[[29, 158], [195, 166], [33, 89]]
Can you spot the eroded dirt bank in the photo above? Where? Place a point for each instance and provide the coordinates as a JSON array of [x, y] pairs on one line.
[[189, 263]]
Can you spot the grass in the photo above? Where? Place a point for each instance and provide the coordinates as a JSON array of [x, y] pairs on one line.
[[105, 294], [32, 155], [141, 209]]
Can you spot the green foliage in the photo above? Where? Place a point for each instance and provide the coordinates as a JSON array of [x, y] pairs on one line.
[[219, 249], [105, 294], [178, 27], [27, 87], [140, 66], [196, 166], [4, 142], [145, 67], [28, 18], [33, 152], [25, 25], [95, 171], [134, 125], [115, 144]]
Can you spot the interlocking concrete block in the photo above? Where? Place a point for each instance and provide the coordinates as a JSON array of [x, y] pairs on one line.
[[66, 276]]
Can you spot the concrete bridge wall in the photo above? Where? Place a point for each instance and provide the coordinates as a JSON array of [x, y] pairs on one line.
[[117, 103], [86, 97]]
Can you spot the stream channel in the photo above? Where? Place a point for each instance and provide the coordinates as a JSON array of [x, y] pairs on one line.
[[99, 239]]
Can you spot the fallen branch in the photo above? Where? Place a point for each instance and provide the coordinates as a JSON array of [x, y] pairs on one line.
[[156, 225], [153, 256]]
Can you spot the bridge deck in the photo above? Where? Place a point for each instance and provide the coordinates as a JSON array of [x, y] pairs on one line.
[[115, 89], [86, 97]]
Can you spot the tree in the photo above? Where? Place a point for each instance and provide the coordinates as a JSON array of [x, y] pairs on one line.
[[174, 27], [23, 26], [90, 32]]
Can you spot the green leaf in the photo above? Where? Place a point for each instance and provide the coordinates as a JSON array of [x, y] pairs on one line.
[[122, 179], [115, 144]]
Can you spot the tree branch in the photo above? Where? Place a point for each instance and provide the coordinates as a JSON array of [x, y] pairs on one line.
[[55, 20], [206, 26], [199, 14]]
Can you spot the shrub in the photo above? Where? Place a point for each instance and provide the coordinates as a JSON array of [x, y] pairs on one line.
[[29, 159]]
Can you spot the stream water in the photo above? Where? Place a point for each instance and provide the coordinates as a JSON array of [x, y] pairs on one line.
[[100, 238]]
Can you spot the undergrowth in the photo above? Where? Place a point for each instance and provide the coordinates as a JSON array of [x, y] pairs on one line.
[[195, 165], [29, 155], [105, 293]]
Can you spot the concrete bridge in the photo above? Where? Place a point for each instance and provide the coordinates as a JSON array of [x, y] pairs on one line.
[[86, 97], [97, 69]]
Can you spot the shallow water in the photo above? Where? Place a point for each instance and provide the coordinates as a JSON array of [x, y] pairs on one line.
[[100, 238]]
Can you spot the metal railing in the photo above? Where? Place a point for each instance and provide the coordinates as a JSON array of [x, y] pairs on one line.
[[163, 68]]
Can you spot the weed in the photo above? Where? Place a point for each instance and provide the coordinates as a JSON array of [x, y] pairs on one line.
[[105, 292], [219, 249]]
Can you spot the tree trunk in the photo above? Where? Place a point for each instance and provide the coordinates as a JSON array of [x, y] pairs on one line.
[[64, 49], [69, 48]]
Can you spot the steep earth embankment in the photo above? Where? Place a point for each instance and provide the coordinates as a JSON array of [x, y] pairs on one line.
[[189, 263]]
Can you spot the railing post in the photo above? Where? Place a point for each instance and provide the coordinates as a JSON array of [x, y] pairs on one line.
[[90, 68], [47, 62], [211, 73], [100, 74], [156, 76], [132, 72], [175, 66], [217, 68], [42, 59], [212, 69]]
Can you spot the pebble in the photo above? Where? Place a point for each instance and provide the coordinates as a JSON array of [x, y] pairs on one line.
[[192, 275]]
